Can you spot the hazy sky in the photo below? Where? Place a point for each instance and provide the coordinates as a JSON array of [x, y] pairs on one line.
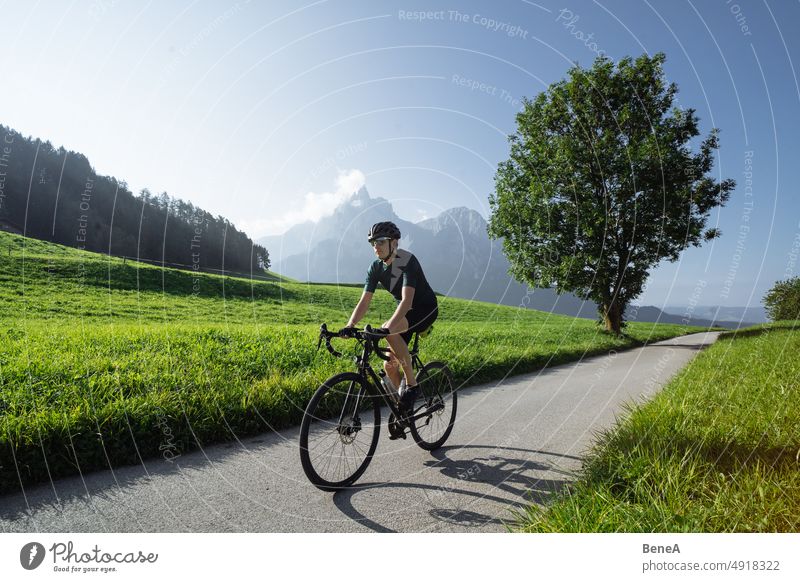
[[271, 112]]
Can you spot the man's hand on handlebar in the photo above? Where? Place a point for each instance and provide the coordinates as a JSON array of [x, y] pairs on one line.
[[348, 331]]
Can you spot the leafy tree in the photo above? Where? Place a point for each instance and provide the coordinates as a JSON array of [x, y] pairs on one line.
[[783, 300], [601, 184]]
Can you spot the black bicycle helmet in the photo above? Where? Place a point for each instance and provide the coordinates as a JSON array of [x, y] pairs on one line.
[[383, 230]]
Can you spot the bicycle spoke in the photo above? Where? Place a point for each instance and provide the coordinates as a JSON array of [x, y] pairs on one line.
[[358, 447], [346, 463], [319, 440], [326, 451], [329, 449], [433, 428]]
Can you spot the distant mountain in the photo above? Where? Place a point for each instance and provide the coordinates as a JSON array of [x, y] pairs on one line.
[[654, 314], [454, 248], [722, 314], [456, 253]]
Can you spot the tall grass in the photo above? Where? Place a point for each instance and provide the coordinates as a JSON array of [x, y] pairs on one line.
[[717, 450]]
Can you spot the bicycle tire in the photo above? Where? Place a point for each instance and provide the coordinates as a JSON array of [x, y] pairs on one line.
[[436, 385], [321, 419]]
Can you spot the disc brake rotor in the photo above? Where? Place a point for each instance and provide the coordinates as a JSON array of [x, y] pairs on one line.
[[348, 430]]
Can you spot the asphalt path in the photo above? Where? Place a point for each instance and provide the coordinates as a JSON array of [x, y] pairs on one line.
[[515, 442]]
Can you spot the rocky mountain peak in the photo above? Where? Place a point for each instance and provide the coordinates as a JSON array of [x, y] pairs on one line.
[[360, 198], [466, 220]]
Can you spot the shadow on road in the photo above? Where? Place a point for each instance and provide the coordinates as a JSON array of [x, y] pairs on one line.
[[107, 484], [694, 348], [511, 472]]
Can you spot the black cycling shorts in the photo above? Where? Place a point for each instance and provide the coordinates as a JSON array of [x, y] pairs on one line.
[[419, 319]]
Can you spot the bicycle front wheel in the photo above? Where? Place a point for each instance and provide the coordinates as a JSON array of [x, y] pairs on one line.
[[339, 432], [438, 400]]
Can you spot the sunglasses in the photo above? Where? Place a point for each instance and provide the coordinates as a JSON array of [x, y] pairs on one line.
[[378, 242]]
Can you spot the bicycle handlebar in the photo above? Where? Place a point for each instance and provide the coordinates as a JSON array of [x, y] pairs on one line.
[[373, 336]]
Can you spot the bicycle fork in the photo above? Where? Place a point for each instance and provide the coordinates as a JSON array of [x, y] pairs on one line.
[[355, 424]]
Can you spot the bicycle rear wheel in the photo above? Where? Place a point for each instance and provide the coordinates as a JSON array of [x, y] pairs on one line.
[[438, 398], [339, 432]]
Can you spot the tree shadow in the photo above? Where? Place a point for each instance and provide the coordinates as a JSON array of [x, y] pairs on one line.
[[762, 329], [690, 347]]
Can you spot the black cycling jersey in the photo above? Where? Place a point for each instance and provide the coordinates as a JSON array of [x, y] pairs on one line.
[[405, 271]]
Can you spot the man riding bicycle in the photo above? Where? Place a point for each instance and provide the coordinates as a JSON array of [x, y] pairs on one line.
[[400, 273]]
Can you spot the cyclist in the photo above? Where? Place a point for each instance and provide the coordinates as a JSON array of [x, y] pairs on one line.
[[400, 273]]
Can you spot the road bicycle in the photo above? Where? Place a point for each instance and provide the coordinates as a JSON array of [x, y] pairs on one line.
[[341, 424]]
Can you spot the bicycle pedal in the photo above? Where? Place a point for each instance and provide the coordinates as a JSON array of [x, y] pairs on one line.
[[397, 429]]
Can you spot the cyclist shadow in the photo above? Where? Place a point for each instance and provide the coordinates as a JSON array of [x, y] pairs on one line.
[[504, 471], [515, 479]]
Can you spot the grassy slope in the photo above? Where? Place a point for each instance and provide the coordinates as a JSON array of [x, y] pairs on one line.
[[716, 451], [139, 355]]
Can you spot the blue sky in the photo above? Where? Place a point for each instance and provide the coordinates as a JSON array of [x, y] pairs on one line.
[[271, 112]]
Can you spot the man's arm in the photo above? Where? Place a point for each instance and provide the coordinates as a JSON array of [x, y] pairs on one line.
[[361, 309], [403, 307]]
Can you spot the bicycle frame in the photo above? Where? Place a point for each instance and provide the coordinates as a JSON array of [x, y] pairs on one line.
[[366, 371]]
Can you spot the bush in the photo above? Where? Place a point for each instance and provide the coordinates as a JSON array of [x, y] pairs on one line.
[[783, 300]]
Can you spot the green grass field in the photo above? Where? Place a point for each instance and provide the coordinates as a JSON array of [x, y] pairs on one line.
[[718, 450], [104, 362]]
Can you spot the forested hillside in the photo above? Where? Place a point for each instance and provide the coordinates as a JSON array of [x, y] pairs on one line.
[[54, 194]]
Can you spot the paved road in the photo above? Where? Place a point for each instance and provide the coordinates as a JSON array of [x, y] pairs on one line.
[[514, 442]]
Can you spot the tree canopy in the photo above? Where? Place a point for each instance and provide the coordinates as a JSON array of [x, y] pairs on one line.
[[783, 300], [601, 184]]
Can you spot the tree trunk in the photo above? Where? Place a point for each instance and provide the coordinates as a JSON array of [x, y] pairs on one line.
[[612, 317]]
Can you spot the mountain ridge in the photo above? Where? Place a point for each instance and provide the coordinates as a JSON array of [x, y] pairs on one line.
[[456, 253], [453, 247]]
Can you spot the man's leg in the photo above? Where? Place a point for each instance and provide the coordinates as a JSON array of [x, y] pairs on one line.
[[392, 369], [400, 349]]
